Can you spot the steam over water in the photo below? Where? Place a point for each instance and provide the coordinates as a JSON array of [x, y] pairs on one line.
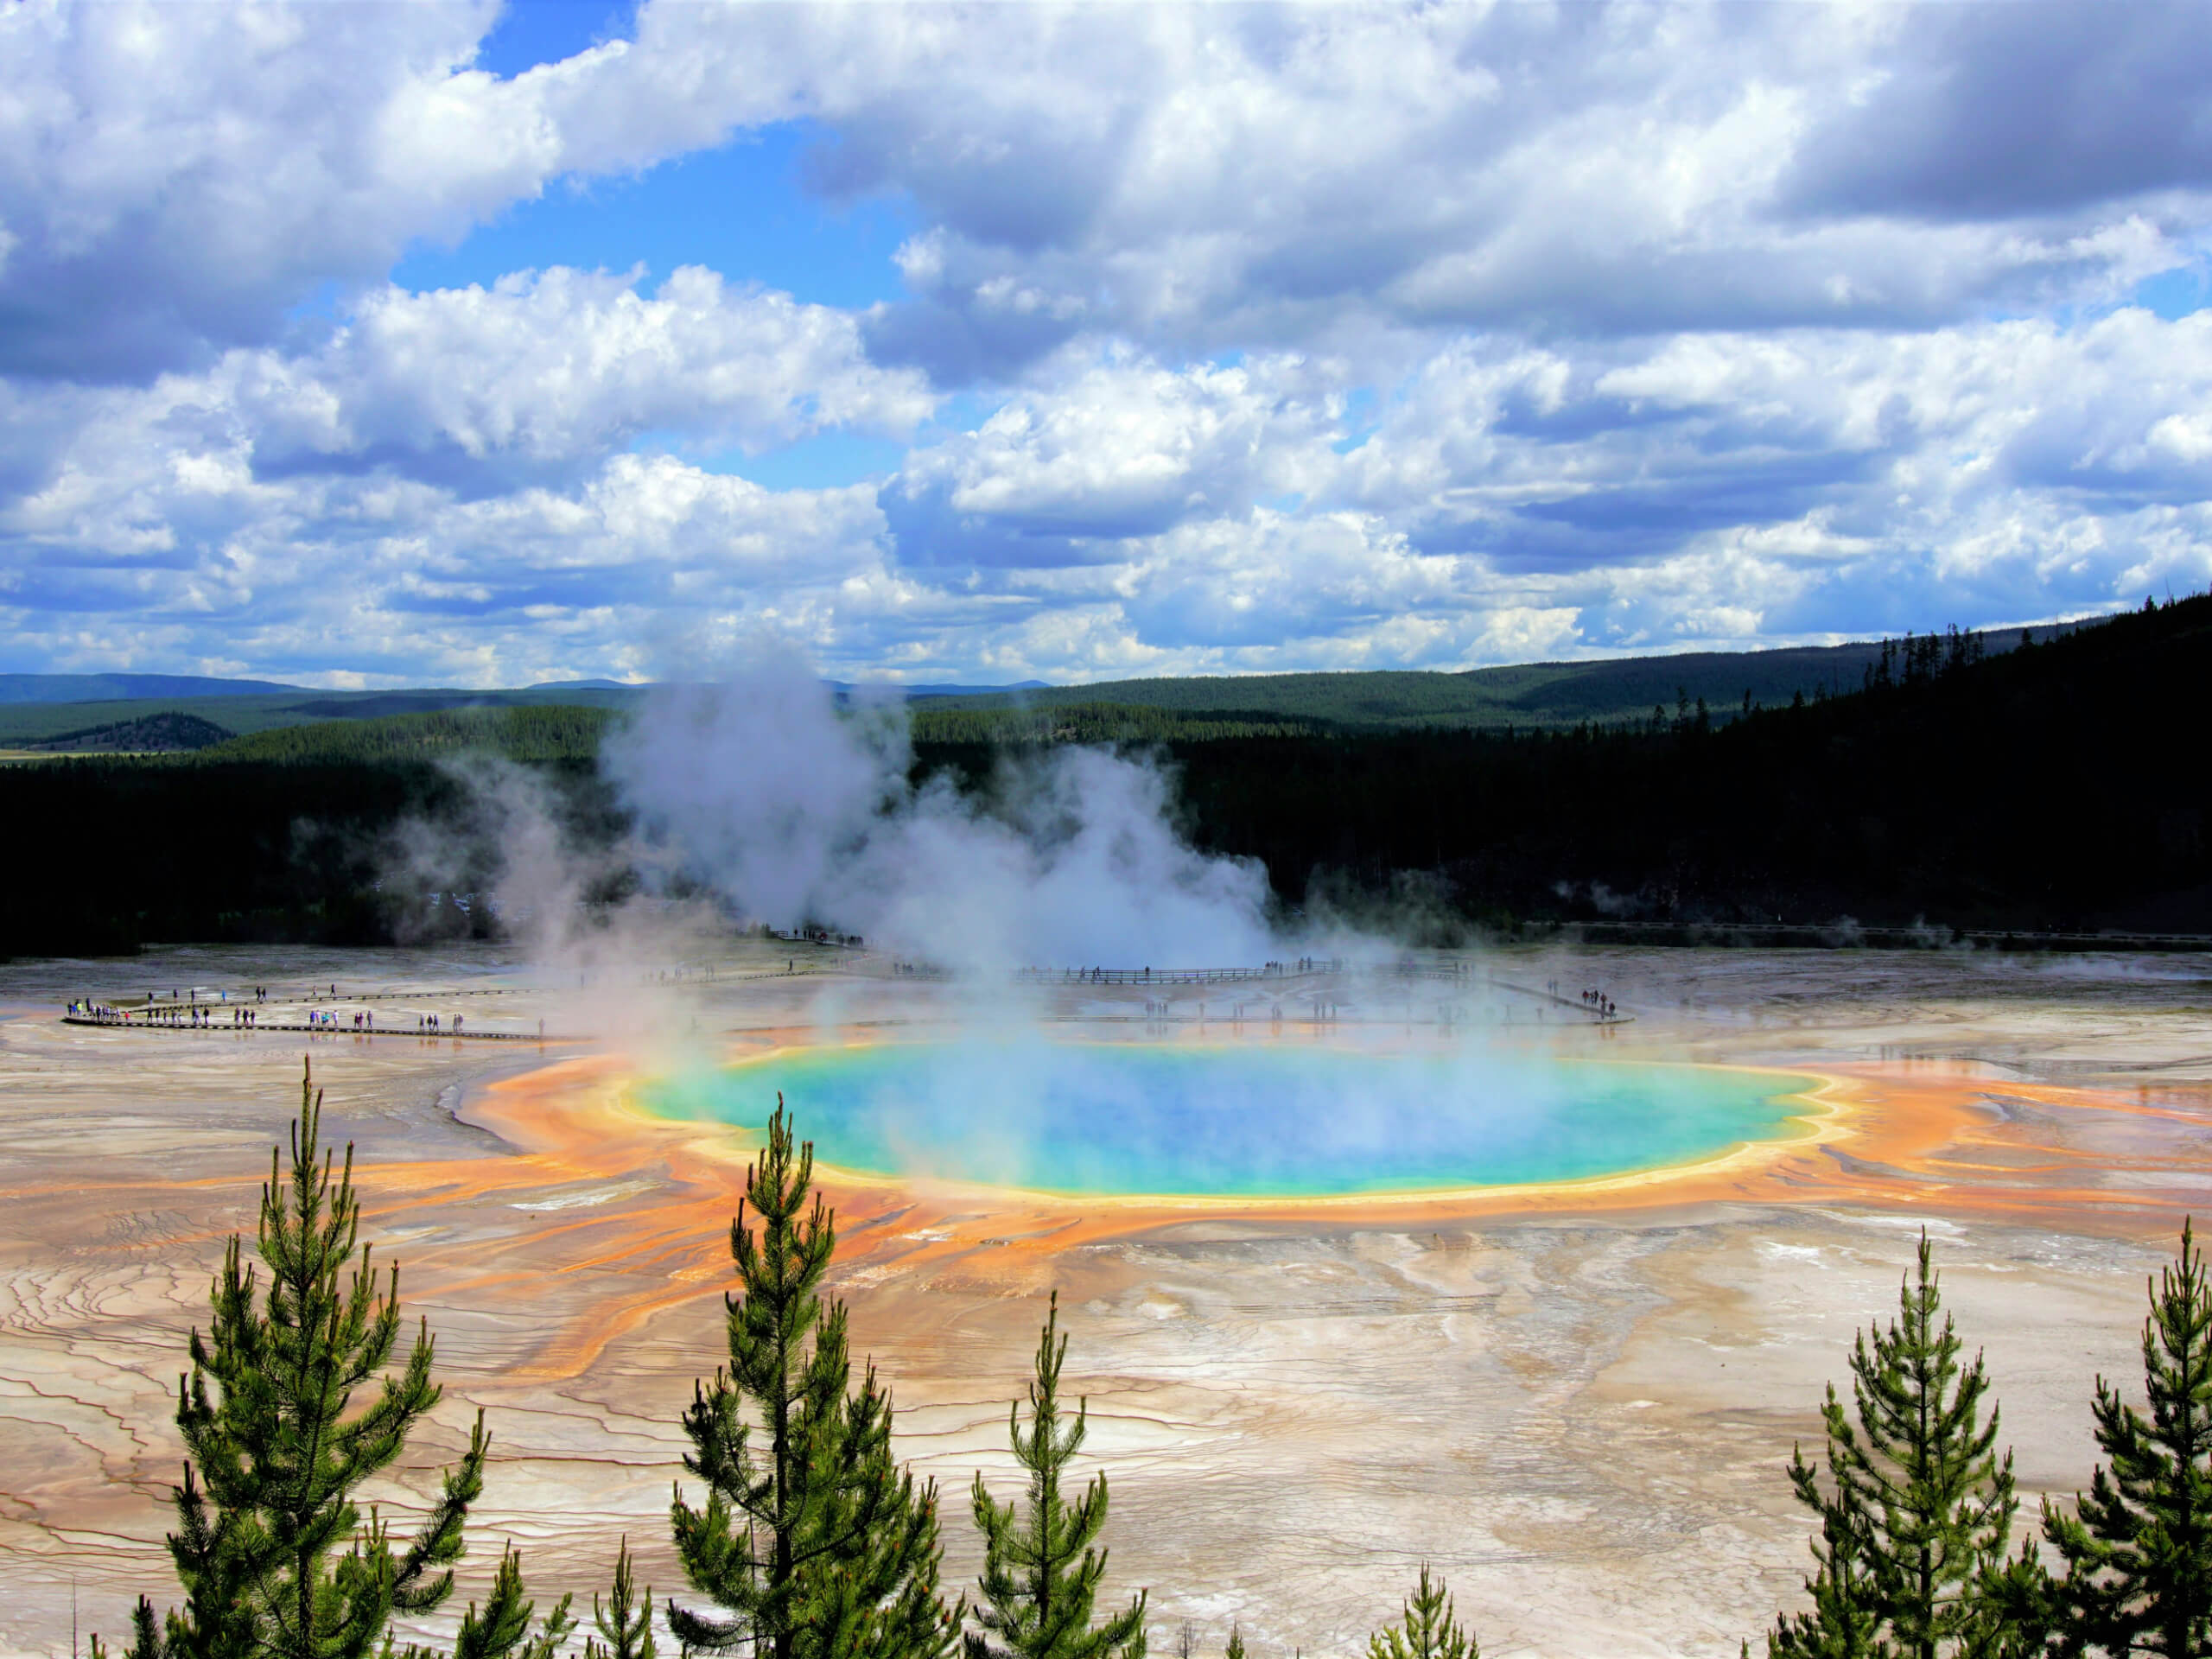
[[794, 812], [1246, 1120]]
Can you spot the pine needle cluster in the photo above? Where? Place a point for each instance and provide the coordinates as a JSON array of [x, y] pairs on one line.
[[1918, 1505], [814, 1545], [1427, 1629], [2138, 1552], [1042, 1563]]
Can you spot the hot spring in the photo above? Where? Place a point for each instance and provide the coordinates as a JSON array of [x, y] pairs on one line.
[[1241, 1121]]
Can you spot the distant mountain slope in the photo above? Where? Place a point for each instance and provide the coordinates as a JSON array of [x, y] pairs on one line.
[[916, 693], [1531, 695], [108, 688], [1525, 695], [28, 724], [164, 734]]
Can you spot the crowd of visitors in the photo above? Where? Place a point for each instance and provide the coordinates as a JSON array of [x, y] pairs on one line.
[[189, 1009]]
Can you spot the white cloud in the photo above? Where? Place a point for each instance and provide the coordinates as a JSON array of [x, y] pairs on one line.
[[556, 367], [1196, 177], [1315, 335], [1209, 178], [1123, 516], [175, 175], [1115, 450]]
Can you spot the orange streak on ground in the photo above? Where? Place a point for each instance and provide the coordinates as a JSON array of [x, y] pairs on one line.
[[1924, 1138]]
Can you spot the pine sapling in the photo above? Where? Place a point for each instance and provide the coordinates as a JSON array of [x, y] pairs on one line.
[[2138, 1559], [1042, 1562], [270, 1547], [1846, 1614], [626, 1622], [813, 1545], [1427, 1629], [1919, 1505], [502, 1630]]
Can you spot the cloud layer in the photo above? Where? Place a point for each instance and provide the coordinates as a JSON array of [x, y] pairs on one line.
[[1230, 338]]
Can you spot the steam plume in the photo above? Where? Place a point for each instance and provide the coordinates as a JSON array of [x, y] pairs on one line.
[[796, 814]]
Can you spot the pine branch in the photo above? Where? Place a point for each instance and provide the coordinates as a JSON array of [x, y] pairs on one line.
[[1042, 1565], [809, 1539], [1427, 1629]]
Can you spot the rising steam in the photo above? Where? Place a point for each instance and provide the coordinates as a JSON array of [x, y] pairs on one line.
[[795, 812]]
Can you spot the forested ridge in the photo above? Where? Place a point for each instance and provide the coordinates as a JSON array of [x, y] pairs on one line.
[[2053, 786]]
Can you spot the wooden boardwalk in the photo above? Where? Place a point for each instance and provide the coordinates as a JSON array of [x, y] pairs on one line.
[[217, 1027]]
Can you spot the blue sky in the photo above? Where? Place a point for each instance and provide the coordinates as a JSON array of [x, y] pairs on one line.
[[364, 345]]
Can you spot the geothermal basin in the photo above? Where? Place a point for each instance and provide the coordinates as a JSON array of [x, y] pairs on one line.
[[1242, 1119], [1342, 1298]]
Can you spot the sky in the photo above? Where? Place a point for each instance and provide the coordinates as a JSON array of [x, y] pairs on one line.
[[370, 344]]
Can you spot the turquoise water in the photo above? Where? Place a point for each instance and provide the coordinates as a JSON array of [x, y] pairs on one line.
[[1246, 1121]]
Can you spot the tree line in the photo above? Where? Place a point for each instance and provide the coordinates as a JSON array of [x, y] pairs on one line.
[[800, 1537], [2038, 788]]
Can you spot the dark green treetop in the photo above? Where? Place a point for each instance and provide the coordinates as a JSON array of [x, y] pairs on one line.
[[2138, 1560], [502, 1630], [1918, 1506], [624, 1624], [1427, 1629], [1042, 1568], [1846, 1614], [814, 1545]]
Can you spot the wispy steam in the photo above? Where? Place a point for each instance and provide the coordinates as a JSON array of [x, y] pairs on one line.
[[797, 813]]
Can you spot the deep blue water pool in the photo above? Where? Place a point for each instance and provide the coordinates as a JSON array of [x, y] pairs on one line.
[[1243, 1121]]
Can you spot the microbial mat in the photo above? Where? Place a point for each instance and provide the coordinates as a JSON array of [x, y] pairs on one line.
[[1243, 1120]]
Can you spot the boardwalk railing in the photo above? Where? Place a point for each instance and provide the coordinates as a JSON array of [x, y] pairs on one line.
[[1282, 972], [124, 1022], [1278, 971]]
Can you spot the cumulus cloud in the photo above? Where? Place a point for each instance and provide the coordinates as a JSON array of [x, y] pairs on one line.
[[1197, 177], [175, 176], [1301, 336], [550, 370], [1210, 178], [1117, 450], [1500, 501]]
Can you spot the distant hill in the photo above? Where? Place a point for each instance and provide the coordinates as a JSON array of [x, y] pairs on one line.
[[25, 724], [110, 687], [166, 733], [1529, 695], [916, 693], [40, 709], [558, 732], [2047, 790]]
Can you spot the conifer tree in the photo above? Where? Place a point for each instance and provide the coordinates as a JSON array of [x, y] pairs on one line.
[[1918, 1508], [1846, 1610], [1042, 1569], [503, 1630], [812, 1546], [2138, 1559], [1235, 1649], [1427, 1629], [625, 1625], [269, 1547]]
